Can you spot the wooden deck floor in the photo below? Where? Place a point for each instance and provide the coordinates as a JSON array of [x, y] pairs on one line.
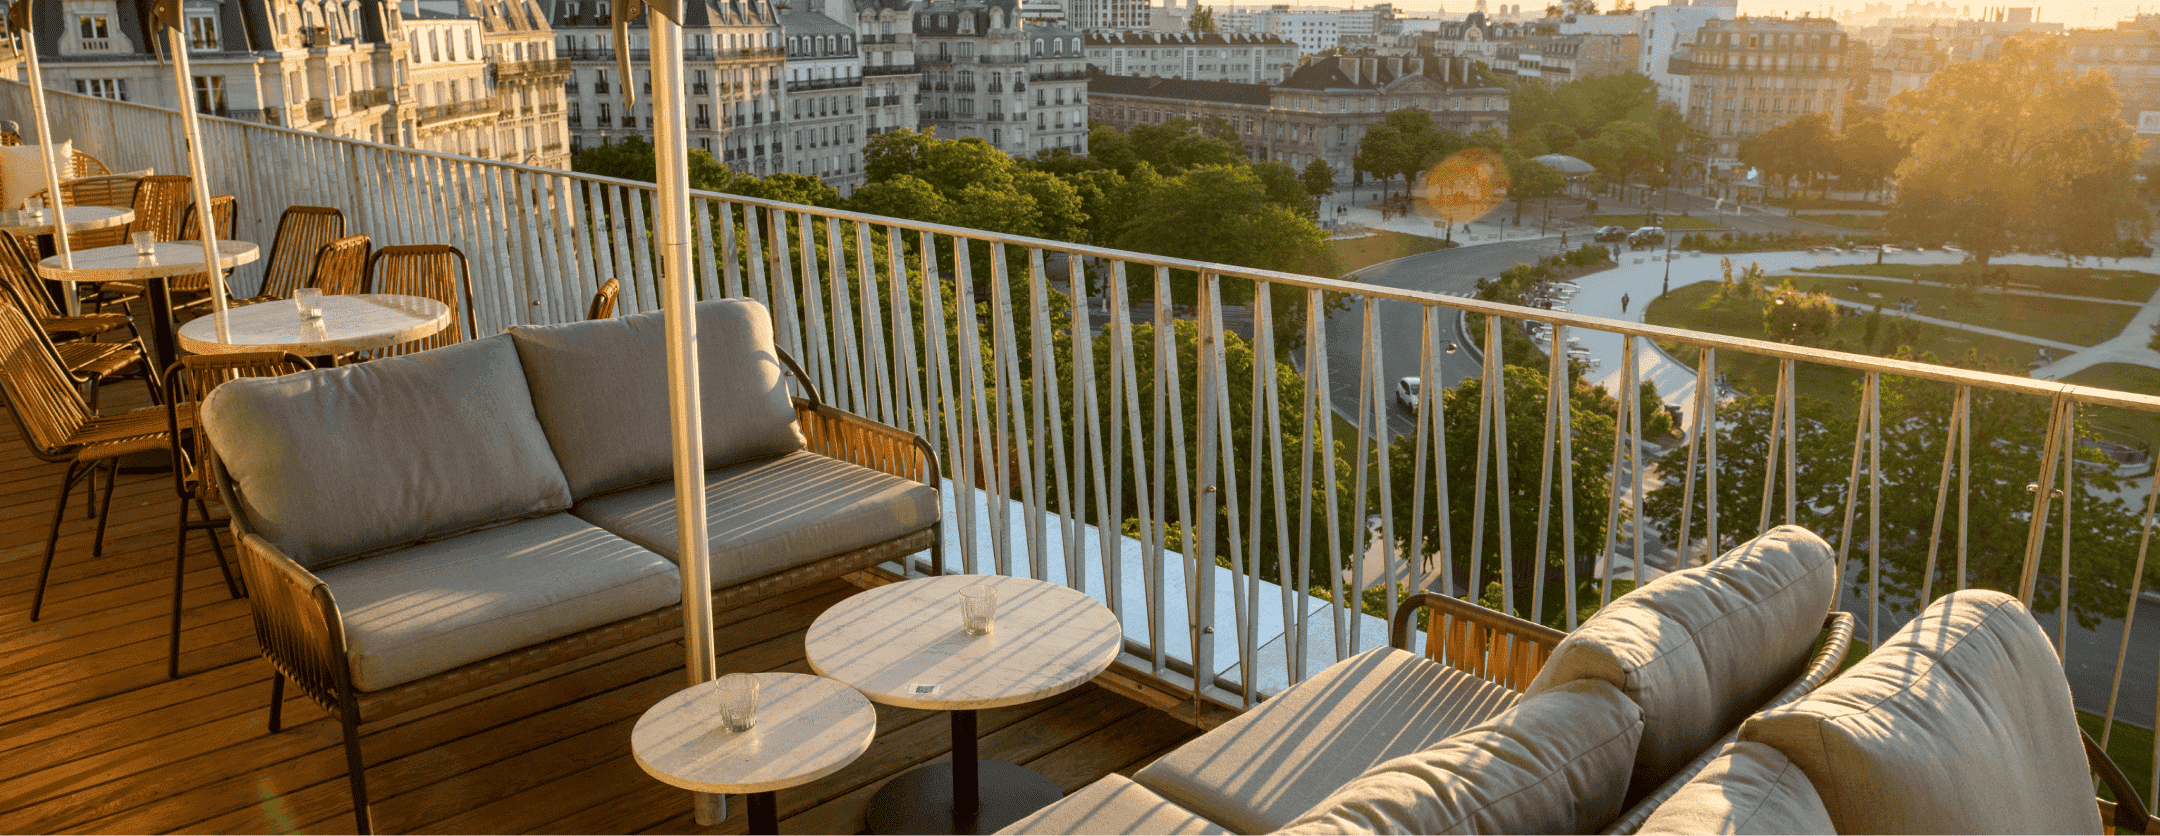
[[95, 739]]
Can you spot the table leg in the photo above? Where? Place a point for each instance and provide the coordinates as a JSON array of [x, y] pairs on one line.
[[164, 349], [963, 795], [764, 813]]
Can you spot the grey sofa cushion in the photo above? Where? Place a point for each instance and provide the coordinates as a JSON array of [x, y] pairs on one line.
[[1749, 788], [771, 514], [1114, 805], [1269, 765], [1557, 762], [1961, 722], [600, 389], [340, 462], [440, 605], [1703, 648]]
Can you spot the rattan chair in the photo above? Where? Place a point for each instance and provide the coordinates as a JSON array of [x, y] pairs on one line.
[[110, 190], [18, 270], [603, 302], [302, 233], [193, 289], [341, 266], [186, 383], [433, 271], [89, 363], [157, 204], [58, 426]]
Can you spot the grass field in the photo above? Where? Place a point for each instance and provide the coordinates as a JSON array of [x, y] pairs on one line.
[[1382, 245], [1805, 203], [1864, 223], [2063, 320], [1669, 222], [2126, 285], [2128, 378]]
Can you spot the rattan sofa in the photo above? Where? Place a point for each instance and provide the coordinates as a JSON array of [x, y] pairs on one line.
[[1961, 722], [1503, 726], [418, 527]]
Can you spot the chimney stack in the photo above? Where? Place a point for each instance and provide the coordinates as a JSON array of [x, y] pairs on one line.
[[1349, 67]]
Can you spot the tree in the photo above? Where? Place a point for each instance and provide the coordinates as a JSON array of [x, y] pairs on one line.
[[2014, 153], [1621, 151], [1318, 177], [1582, 7], [965, 182], [1797, 317], [1284, 188], [1203, 21], [1180, 144], [1867, 153], [1803, 148], [1529, 179], [1404, 143]]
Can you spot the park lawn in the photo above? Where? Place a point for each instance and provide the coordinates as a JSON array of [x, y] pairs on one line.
[[1669, 222], [2143, 380], [1805, 203], [2062, 320], [2125, 285], [1828, 384], [1360, 253], [1865, 223], [2131, 747]]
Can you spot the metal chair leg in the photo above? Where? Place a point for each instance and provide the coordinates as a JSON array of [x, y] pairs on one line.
[[233, 583], [355, 770], [179, 583], [112, 477], [52, 538], [277, 700]]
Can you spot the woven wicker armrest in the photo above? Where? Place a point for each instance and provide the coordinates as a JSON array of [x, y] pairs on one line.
[[297, 623], [1494, 646], [1837, 639], [2127, 813], [860, 441]]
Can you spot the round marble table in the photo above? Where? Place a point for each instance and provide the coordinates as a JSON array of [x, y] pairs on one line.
[[170, 258], [349, 323], [79, 219], [901, 644], [808, 727]]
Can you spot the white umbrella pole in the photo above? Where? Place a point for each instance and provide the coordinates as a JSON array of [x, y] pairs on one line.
[[43, 131], [672, 208], [198, 177]]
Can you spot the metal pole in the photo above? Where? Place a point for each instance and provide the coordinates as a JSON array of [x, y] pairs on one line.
[[672, 211], [43, 128], [191, 129]]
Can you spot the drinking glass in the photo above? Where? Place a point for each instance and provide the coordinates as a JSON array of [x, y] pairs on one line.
[[978, 608], [738, 701], [34, 205], [309, 300], [145, 243]]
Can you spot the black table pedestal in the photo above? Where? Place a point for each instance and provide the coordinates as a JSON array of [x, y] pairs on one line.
[[764, 813], [965, 795]]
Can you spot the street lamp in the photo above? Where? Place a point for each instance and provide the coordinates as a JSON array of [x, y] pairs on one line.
[[1667, 286]]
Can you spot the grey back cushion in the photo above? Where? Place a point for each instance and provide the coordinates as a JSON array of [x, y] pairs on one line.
[[341, 462], [1555, 763], [1961, 722], [601, 391], [1749, 788], [1701, 649]]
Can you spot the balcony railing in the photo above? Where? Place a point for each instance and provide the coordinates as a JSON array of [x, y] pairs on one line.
[[515, 70], [1051, 453], [824, 83], [457, 110], [1068, 75], [891, 69]]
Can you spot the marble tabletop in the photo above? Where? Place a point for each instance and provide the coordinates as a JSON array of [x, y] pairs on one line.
[[120, 263], [349, 323], [79, 219], [808, 727], [901, 644]]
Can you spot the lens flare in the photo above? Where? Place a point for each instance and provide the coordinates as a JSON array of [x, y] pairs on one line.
[[1465, 186]]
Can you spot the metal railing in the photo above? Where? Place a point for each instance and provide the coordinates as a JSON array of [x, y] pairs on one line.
[[891, 69], [1066, 75], [824, 83], [1210, 461], [457, 110], [511, 70]]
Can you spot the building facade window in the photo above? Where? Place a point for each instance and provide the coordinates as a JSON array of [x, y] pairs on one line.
[[103, 88], [202, 32], [210, 93]]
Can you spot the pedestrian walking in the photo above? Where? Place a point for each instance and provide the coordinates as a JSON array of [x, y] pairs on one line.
[[1623, 303]]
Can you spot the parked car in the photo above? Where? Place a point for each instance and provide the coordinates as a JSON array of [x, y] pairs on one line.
[[1647, 236], [1407, 392], [1606, 234]]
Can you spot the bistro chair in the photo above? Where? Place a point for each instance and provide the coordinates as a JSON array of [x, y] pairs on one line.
[[225, 211], [111, 190], [603, 302], [341, 266], [187, 382], [88, 363], [433, 271], [157, 204], [18, 270], [302, 232], [58, 426]]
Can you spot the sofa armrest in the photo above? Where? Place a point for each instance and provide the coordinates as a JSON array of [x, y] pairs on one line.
[[851, 438], [1829, 657], [1494, 646], [2126, 814], [297, 623]]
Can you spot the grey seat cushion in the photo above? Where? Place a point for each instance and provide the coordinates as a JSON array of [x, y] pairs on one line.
[[771, 514], [1703, 648], [340, 462], [600, 389], [1557, 762], [1114, 805], [1269, 765], [440, 605], [1749, 788], [1961, 722]]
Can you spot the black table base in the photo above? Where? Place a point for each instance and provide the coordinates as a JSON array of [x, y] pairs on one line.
[[764, 813], [965, 795]]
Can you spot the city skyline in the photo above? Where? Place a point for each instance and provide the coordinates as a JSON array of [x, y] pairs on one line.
[[2086, 14]]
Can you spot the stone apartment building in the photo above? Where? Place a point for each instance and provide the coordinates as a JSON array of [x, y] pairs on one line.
[[1321, 111], [734, 66], [483, 82], [890, 75], [1252, 59], [532, 125], [987, 73], [825, 92], [1751, 74], [1559, 59]]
